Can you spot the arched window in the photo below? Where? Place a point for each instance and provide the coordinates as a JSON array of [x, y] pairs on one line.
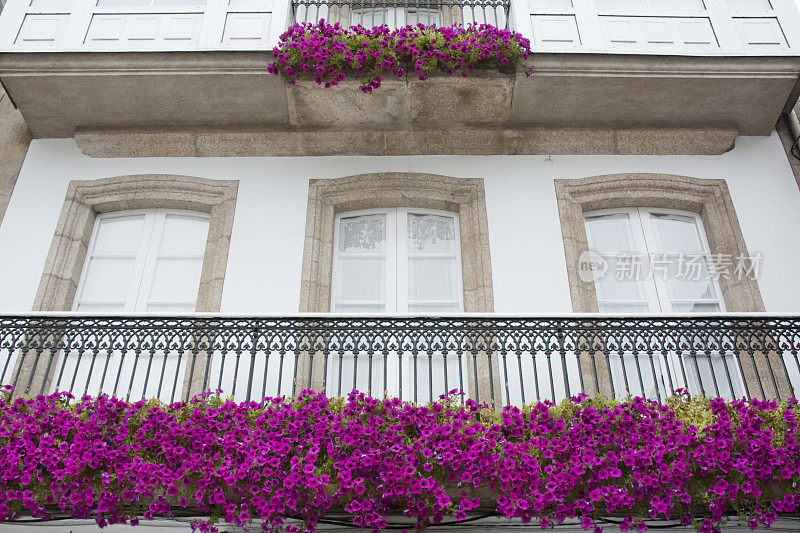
[[397, 260], [143, 261], [658, 261], [676, 225], [161, 201], [397, 212]]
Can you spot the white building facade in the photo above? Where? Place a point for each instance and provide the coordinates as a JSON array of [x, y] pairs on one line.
[[637, 174], [623, 221]]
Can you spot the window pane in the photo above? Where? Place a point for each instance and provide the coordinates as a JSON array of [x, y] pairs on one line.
[[430, 279], [176, 280], [368, 17], [433, 308], [361, 279], [624, 279], [359, 308], [118, 235], [423, 16], [170, 308], [623, 308], [100, 308], [431, 234], [107, 280], [695, 307], [610, 233], [688, 278], [363, 234], [184, 235], [676, 233], [611, 236]]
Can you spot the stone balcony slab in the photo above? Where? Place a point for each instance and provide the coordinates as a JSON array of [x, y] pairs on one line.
[[207, 103]]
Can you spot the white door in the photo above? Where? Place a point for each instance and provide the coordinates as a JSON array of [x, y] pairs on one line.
[[396, 260], [143, 261], [146, 261], [659, 261]]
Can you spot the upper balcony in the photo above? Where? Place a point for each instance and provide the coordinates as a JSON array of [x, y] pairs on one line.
[[610, 76]]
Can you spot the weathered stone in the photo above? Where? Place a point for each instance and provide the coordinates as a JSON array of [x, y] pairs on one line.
[[156, 143], [562, 141], [344, 106], [341, 142], [665, 141], [14, 141], [60, 93], [483, 98], [247, 143], [254, 142]]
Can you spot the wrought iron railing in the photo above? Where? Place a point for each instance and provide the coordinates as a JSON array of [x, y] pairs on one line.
[[497, 360], [397, 13]]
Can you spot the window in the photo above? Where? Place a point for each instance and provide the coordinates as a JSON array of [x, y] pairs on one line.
[[143, 261], [397, 260], [658, 261], [170, 3], [395, 17]]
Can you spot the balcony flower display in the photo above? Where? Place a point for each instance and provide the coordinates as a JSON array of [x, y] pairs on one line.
[[289, 463], [331, 53]]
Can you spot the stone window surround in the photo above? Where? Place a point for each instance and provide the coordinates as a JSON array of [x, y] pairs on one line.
[[329, 197], [708, 197], [465, 196], [86, 199]]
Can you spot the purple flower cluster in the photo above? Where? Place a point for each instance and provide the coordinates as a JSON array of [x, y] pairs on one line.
[[332, 52], [278, 459]]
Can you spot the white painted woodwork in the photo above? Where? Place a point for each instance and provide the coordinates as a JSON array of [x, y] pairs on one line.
[[694, 27], [143, 261], [122, 25], [396, 260]]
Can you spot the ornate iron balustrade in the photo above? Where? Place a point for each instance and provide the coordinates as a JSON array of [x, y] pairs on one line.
[[497, 360], [397, 13]]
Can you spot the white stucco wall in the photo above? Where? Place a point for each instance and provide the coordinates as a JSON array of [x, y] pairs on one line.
[[525, 238]]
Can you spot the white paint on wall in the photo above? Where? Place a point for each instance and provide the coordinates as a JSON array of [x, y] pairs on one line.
[[263, 275]]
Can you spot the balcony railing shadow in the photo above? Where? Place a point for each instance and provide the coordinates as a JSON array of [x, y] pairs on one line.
[[493, 359], [398, 13]]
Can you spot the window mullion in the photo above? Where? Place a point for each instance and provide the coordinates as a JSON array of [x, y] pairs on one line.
[[398, 280], [643, 234], [147, 264]]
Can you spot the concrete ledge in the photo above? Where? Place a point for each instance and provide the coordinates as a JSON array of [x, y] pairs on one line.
[[252, 142], [614, 98]]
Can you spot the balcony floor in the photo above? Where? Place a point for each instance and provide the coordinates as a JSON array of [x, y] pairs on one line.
[[226, 104]]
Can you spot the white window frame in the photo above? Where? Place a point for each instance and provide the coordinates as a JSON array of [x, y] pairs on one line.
[[685, 370], [397, 259], [658, 300], [145, 259], [394, 17]]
